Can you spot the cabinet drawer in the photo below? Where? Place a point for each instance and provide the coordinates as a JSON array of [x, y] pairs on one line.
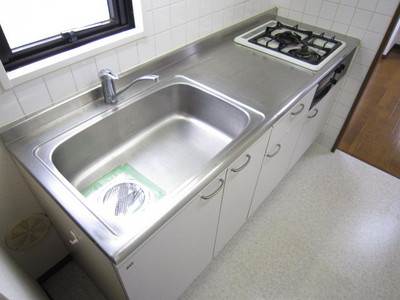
[[283, 126]]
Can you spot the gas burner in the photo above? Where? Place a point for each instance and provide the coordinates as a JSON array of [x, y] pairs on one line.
[[287, 38], [291, 43], [305, 53]]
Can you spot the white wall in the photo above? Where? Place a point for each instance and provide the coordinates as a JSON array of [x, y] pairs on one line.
[[394, 38], [170, 24], [15, 283], [16, 200]]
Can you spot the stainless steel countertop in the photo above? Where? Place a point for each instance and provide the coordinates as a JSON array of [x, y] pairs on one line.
[[260, 81]]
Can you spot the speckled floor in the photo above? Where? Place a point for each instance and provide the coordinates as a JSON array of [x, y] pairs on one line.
[[330, 230]]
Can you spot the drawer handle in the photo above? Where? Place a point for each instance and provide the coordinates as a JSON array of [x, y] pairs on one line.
[[299, 111], [244, 165], [216, 191], [276, 152], [316, 113]]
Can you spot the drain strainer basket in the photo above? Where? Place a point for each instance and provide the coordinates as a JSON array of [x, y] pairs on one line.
[[124, 198], [121, 192]]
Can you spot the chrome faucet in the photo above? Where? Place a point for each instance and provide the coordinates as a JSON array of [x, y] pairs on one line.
[[108, 85]]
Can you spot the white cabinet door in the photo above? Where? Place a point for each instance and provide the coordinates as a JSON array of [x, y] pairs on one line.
[[280, 149], [175, 255], [314, 124], [275, 166], [239, 188]]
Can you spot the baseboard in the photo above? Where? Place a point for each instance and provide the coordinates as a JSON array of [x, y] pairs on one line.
[[58, 266]]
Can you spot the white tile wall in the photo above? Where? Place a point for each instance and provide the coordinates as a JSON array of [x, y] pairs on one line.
[[163, 42], [161, 19], [192, 10], [108, 60], [178, 36], [361, 18], [313, 7], [33, 96], [10, 108], [192, 30], [379, 23], [298, 5], [386, 7], [146, 49], [178, 15], [368, 5], [328, 10], [206, 7], [60, 84], [344, 14], [85, 73], [172, 23], [159, 3], [127, 57], [352, 3], [205, 25], [148, 23]]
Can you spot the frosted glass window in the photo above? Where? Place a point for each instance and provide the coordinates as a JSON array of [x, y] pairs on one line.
[[41, 19], [31, 30]]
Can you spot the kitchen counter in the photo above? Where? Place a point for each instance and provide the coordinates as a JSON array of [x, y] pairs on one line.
[[254, 79]]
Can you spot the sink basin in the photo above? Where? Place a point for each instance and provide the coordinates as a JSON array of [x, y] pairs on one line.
[[167, 135]]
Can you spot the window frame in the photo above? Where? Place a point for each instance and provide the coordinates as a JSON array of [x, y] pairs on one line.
[[121, 19], [38, 69]]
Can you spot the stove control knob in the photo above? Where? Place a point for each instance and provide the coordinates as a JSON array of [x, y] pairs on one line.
[[333, 81], [340, 69]]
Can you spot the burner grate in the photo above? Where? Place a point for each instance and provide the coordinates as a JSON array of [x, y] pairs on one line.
[[301, 44]]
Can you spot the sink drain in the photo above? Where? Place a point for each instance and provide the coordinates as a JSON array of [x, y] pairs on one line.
[[126, 197]]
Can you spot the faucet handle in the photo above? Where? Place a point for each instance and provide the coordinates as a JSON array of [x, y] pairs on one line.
[[106, 73]]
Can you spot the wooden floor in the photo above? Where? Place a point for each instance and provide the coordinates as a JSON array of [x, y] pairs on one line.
[[373, 134]]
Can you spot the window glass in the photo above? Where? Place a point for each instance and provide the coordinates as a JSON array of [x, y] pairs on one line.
[[32, 30], [28, 21]]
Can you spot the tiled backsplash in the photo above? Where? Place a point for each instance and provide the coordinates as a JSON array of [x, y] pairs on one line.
[[169, 24], [172, 23]]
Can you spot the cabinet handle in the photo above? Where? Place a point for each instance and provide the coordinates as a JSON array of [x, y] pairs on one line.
[[74, 240], [299, 111], [312, 116], [244, 165], [216, 191], [276, 152]]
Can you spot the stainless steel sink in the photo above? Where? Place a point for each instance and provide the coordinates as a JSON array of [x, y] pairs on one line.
[[169, 135]]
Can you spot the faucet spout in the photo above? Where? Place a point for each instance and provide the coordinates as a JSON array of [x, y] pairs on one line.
[[154, 78], [108, 78]]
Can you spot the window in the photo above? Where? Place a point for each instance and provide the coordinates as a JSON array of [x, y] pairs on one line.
[[33, 30]]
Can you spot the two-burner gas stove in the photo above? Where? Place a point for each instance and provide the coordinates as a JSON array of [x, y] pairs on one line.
[[302, 47]]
